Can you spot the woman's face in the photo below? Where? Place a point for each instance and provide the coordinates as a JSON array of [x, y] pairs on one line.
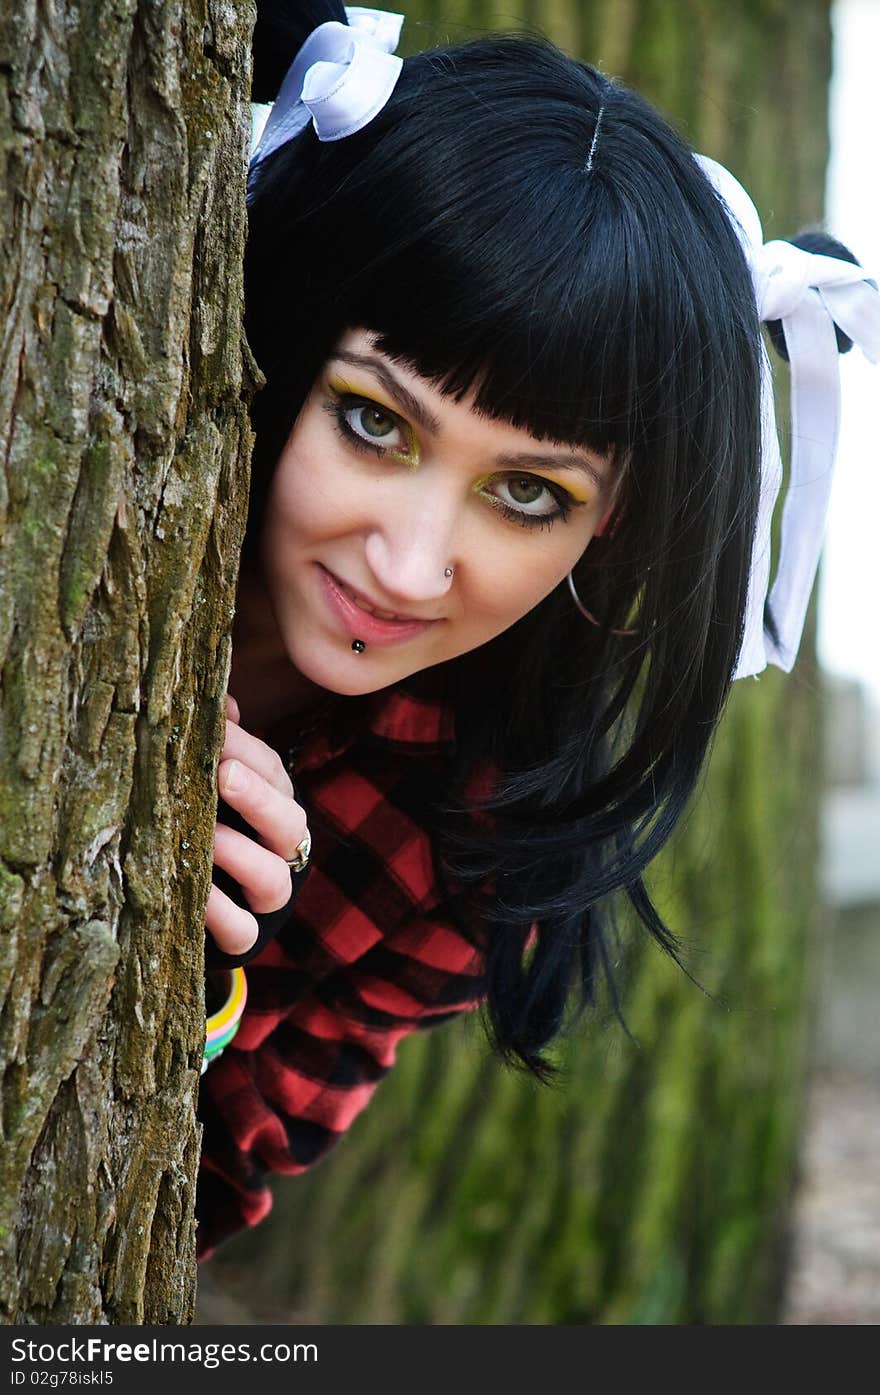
[[384, 484]]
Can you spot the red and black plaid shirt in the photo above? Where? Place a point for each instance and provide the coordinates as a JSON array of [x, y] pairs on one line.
[[367, 956]]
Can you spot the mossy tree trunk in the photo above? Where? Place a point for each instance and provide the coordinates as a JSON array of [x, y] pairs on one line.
[[653, 1187], [125, 442]]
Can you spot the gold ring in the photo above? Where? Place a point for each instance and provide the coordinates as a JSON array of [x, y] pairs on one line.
[[298, 862]]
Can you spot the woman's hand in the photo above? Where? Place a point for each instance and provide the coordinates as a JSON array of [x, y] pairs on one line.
[[265, 801]]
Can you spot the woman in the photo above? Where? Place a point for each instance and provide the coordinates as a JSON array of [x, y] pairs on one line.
[[507, 548]]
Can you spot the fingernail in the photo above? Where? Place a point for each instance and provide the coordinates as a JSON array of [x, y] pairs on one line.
[[235, 778]]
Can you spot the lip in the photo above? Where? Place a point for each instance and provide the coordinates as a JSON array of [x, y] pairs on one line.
[[358, 624]]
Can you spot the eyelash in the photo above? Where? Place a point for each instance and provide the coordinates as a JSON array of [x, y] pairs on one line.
[[339, 405]]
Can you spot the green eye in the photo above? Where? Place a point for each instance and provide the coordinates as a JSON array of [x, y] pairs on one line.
[[517, 495], [373, 422], [526, 490], [368, 425]]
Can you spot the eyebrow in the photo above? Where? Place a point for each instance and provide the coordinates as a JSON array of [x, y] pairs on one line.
[[517, 460]]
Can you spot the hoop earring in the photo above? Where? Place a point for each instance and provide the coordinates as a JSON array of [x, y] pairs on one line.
[[587, 614]]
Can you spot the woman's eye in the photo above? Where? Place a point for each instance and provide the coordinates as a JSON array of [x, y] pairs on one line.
[[373, 424], [525, 491]]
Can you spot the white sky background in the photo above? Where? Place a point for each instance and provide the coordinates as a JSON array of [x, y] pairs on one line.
[[849, 633]]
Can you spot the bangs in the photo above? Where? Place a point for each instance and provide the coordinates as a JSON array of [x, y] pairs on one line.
[[542, 332], [557, 350]]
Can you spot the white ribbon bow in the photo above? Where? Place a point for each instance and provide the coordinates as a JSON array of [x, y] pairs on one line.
[[341, 78], [809, 294]]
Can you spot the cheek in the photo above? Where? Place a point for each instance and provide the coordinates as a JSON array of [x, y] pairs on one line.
[[309, 495], [511, 580]]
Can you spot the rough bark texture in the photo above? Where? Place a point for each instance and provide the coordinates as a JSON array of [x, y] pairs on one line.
[[125, 441], [653, 1187]]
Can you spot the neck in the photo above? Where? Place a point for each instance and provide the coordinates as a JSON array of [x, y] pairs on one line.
[[262, 679]]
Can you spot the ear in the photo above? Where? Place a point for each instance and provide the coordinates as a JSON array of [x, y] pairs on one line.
[[604, 523]]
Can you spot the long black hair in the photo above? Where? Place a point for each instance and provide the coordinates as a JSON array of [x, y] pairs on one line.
[[611, 308]]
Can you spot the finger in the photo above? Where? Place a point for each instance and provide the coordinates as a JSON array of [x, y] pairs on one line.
[[264, 877], [233, 711], [279, 820], [259, 757], [233, 928]]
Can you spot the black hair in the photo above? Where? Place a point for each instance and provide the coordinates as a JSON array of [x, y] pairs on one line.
[[609, 307]]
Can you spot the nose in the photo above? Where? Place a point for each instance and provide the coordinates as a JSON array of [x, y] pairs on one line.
[[415, 542]]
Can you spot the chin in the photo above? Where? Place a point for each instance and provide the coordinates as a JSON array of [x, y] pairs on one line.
[[355, 685], [346, 673]]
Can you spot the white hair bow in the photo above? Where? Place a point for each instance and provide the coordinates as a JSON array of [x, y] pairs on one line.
[[341, 78], [809, 294]]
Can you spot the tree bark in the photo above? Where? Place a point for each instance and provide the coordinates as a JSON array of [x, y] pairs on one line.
[[125, 437], [654, 1186]]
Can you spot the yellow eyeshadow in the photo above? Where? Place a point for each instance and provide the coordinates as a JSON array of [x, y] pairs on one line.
[[573, 491], [344, 389], [338, 387], [530, 474]]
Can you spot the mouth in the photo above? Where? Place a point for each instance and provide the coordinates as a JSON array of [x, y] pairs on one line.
[[361, 619], [363, 603]]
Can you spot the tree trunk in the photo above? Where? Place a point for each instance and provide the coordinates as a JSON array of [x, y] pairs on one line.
[[654, 1186], [126, 440]]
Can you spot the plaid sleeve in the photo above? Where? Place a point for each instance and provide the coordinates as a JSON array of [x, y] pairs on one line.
[[283, 1104]]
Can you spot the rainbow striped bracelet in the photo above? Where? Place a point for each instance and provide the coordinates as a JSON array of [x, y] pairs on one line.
[[222, 1026]]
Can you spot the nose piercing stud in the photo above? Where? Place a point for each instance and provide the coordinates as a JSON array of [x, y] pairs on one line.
[[449, 571]]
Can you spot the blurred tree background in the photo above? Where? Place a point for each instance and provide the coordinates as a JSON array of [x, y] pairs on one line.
[[654, 1186]]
